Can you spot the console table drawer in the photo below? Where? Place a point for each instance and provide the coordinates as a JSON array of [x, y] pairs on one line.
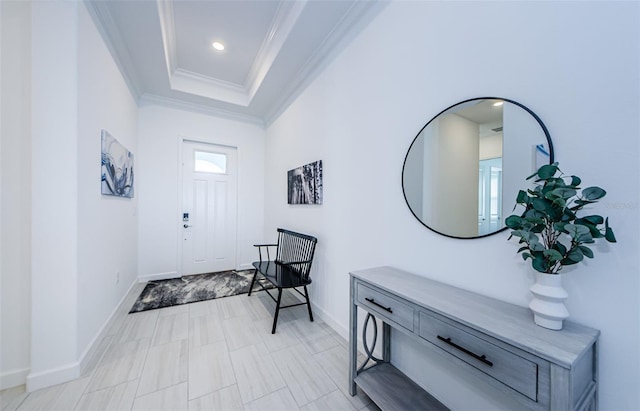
[[386, 307], [510, 369]]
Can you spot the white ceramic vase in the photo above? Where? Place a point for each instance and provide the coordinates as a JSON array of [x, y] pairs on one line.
[[548, 301]]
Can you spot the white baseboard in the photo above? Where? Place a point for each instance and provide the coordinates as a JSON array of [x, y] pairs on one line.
[[59, 375], [245, 267], [92, 347], [158, 276], [330, 321], [13, 378], [54, 376], [324, 316]]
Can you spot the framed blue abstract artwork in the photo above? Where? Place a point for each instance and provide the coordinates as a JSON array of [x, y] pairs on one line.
[[117, 168]]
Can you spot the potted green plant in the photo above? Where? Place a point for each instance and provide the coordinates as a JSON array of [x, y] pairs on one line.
[[553, 235]]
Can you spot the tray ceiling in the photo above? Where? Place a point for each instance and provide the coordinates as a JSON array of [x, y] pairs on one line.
[[272, 49]]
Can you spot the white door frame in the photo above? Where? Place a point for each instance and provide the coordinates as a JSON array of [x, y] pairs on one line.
[[179, 222]]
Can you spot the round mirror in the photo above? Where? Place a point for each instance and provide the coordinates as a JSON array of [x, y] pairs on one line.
[[463, 171]]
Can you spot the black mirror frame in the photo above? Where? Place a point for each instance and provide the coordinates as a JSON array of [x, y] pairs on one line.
[[527, 109]]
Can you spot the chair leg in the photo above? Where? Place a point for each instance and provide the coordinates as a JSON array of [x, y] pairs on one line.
[[255, 273], [306, 294], [275, 317]]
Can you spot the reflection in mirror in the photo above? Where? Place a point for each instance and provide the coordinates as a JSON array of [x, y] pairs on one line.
[[467, 164]]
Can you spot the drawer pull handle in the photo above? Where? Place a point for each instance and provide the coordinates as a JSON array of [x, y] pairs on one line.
[[482, 357], [372, 301]]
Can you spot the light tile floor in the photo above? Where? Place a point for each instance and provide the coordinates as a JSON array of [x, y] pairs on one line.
[[212, 355]]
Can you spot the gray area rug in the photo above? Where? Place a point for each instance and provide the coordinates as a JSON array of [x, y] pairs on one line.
[[194, 288]]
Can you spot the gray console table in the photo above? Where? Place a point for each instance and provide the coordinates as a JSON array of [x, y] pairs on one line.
[[496, 341]]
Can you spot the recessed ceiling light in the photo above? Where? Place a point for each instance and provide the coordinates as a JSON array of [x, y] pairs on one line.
[[218, 46], [498, 103]]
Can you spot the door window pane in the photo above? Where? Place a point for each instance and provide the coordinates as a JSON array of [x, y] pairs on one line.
[[207, 162]]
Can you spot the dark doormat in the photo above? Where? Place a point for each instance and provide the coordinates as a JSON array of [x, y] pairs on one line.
[[194, 288]]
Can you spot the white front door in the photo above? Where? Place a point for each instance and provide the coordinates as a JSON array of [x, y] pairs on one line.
[[209, 203]]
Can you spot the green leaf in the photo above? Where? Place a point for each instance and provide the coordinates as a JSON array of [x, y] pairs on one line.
[[568, 261], [532, 220], [575, 255], [559, 226], [539, 264], [530, 237], [593, 193], [521, 249], [538, 228], [576, 230], [517, 233], [560, 248], [568, 215], [534, 215], [564, 192], [513, 221], [547, 171], [522, 198], [581, 203], [560, 202], [541, 204], [586, 251], [609, 236], [593, 229], [536, 246], [593, 219], [556, 182], [553, 255], [575, 181]]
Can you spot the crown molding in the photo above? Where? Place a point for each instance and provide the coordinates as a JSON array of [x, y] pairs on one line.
[[168, 30], [110, 34], [283, 22], [210, 80], [208, 87], [152, 99], [357, 17]]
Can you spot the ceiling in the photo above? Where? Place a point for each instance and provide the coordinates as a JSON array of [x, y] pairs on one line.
[[273, 49]]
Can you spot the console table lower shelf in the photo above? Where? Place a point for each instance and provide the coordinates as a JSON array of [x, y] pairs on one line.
[[390, 389]]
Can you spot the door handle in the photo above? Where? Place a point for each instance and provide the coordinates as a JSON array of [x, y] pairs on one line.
[[186, 226]]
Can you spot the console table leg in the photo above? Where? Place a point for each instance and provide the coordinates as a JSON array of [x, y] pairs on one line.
[[386, 342], [353, 341]]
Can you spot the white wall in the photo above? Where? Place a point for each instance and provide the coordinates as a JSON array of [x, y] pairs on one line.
[[160, 130], [66, 240], [491, 147], [457, 184], [15, 281], [54, 179], [574, 63], [521, 134], [107, 225], [413, 180]]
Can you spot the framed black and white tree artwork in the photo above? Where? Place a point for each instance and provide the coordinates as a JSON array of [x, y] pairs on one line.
[[304, 184], [117, 168]]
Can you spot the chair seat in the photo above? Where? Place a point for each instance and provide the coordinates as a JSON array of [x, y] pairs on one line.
[[281, 276]]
